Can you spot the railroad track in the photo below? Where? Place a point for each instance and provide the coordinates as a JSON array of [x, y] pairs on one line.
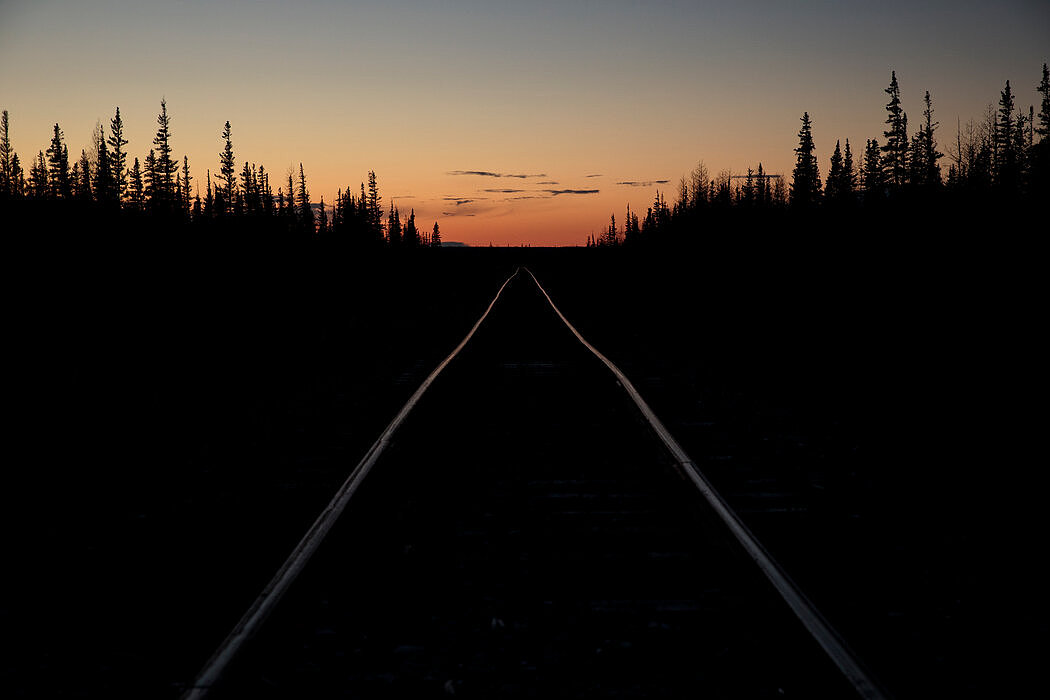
[[528, 527]]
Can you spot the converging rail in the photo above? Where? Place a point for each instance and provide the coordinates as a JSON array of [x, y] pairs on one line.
[[601, 518], [807, 613]]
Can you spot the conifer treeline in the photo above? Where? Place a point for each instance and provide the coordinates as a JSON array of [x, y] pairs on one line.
[[163, 188], [1003, 158]]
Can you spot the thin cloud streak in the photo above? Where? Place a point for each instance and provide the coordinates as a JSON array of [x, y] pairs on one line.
[[460, 201], [642, 183], [489, 173]]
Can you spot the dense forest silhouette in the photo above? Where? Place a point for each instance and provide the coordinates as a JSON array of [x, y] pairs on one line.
[[1000, 160], [107, 189], [997, 162]]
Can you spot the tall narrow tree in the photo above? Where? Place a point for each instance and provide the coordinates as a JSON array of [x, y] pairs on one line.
[[1006, 162], [393, 227], [832, 189], [932, 171], [1044, 106], [39, 186], [805, 178], [322, 221], [209, 198], [167, 168], [18, 184], [306, 212], [435, 236], [136, 187], [227, 165], [873, 174], [411, 233], [58, 178], [105, 187], [849, 175], [895, 152], [374, 209], [186, 200], [83, 181], [154, 198], [118, 156], [6, 153]]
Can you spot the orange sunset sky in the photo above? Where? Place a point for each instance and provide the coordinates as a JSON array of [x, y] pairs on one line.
[[594, 102]]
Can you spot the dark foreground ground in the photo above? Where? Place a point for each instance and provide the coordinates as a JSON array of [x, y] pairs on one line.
[[182, 417]]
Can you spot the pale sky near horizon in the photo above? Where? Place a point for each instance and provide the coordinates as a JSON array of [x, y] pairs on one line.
[[582, 96]]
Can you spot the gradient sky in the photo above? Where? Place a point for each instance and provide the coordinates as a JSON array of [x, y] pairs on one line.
[[579, 96]]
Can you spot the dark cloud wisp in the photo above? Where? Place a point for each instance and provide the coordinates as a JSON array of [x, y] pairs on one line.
[[489, 173], [642, 183]]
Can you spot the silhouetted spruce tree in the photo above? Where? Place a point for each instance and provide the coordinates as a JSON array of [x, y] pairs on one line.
[[83, 181], [762, 186], [306, 212], [832, 189], [136, 187], [435, 237], [18, 184], [6, 154], [805, 178], [322, 221], [105, 187], [118, 156], [411, 234], [393, 227], [873, 174], [1040, 156], [916, 160], [290, 210], [848, 185], [38, 178], [661, 213], [227, 166], [1044, 106], [266, 194], [374, 209], [153, 198], [931, 173], [1006, 165], [1022, 147], [895, 152], [609, 238], [59, 184], [209, 198], [186, 199], [167, 168], [630, 228], [74, 179], [746, 193], [337, 208], [248, 188]]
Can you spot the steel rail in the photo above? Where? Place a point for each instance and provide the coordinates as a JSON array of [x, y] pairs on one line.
[[818, 627], [297, 560]]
